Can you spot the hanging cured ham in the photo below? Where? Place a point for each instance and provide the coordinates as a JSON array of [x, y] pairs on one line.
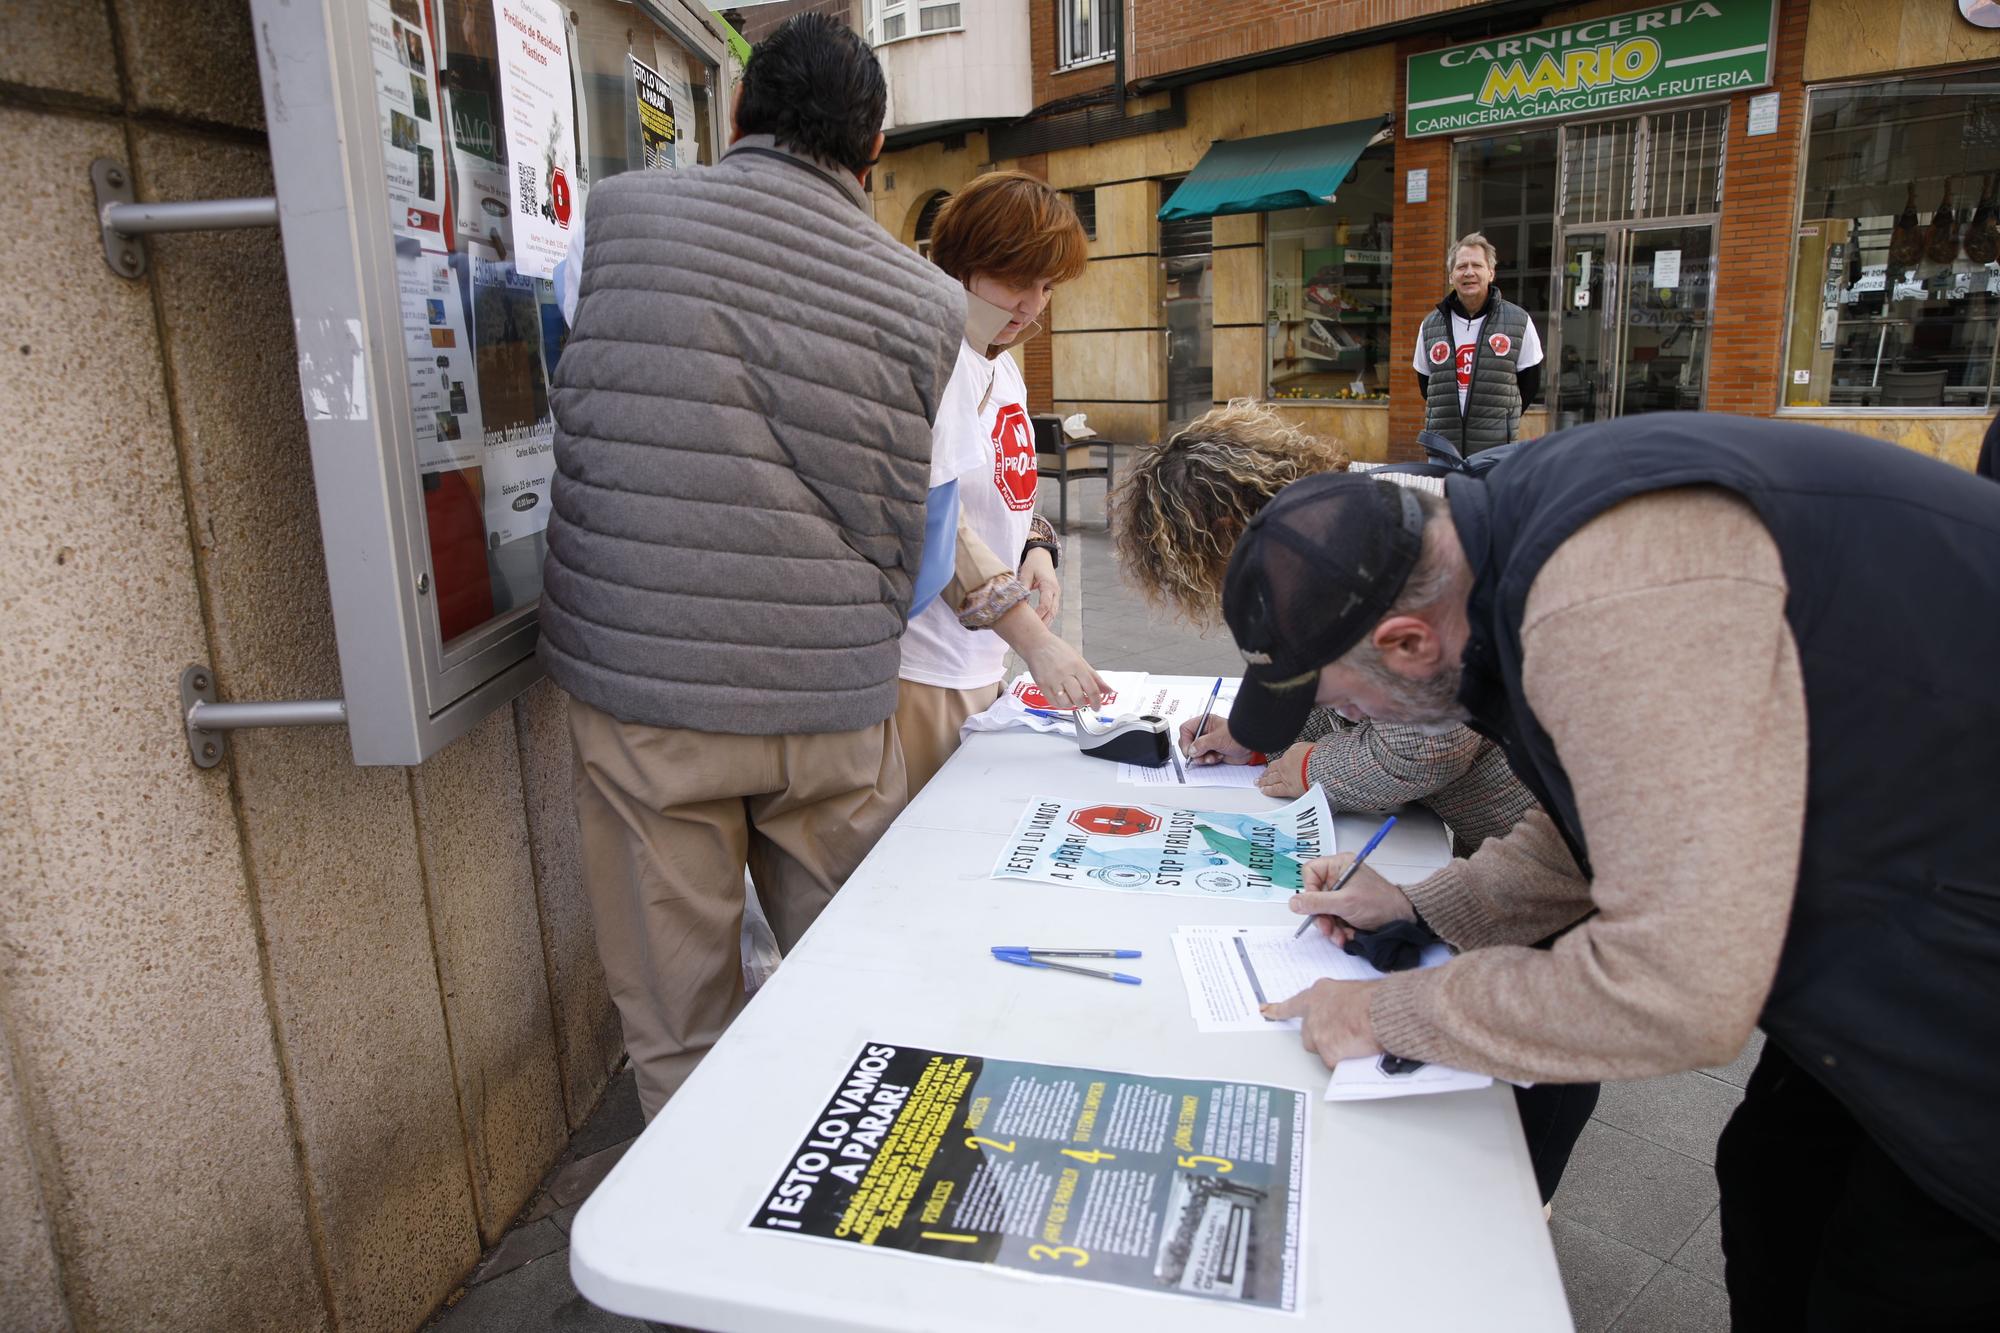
[[1982, 233], [1906, 242], [1941, 244]]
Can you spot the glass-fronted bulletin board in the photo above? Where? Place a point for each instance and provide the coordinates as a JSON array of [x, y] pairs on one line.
[[434, 160]]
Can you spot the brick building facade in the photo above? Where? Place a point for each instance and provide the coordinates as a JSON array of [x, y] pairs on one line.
[[1905, 355]]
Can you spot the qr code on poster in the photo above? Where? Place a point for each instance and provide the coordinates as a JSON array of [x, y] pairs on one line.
[[526, 173]]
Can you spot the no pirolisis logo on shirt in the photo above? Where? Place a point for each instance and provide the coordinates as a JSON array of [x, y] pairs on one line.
[[1014, 457]]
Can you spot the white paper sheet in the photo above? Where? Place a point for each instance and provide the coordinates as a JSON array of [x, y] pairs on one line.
[[1230, 970], [1178, 703]]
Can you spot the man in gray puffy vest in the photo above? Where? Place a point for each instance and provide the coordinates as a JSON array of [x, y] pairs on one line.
[[1479, 359], [743, 439]]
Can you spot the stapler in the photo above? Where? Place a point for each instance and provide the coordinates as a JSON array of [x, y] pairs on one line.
[[1139, 738]]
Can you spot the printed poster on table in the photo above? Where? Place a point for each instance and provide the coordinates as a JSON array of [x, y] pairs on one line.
[[536, 95], [1169, 848], [406, 99], [518, 434], [656, 115], [1180, 1187], [444, 386]]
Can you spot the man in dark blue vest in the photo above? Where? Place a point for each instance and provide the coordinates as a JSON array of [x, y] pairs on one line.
[[1653, 616], [1478, 358]]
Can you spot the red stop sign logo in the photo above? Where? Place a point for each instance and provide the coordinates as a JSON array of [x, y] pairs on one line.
[[1115, 821], [559, 200], [1014, 457], [1030, 694]]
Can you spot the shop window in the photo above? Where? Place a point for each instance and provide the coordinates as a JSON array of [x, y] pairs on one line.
[[1896, 289], [1083, 31], [1328, 329], [1085, 203], [1506, 189]]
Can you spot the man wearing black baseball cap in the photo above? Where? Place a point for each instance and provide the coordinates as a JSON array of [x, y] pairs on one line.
[[1652, 615]]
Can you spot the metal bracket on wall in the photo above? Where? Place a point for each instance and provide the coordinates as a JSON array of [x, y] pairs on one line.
[[207, 719], [123, 220]]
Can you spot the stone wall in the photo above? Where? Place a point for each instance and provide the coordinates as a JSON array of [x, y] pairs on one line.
[[285, 1040]]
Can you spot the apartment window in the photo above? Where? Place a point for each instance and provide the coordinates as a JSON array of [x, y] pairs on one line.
[[1084, 31], [938, 18], [1328, 329], [1085, 203], [1896, 287]]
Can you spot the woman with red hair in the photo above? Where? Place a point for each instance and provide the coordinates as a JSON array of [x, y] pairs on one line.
[[1009, 239]]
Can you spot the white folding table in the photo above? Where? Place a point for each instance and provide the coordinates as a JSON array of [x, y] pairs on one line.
[[1421, 1212]]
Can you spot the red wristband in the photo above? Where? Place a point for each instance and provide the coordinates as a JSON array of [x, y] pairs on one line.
[[1304, 761]]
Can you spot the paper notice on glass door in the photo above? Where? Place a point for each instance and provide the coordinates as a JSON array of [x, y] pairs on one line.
[[536, 97], [406, 99], [1666, 270], [444, 386], [518, 435], [656, 115]]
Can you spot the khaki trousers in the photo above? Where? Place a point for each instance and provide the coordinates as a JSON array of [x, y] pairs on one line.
[[668, 821], [927, 721]]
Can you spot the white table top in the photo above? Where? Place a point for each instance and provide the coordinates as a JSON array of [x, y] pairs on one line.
[[1421, 1212]]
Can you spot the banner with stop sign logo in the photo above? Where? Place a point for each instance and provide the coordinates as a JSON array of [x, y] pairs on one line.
[[1014, 457], [1169, 849]]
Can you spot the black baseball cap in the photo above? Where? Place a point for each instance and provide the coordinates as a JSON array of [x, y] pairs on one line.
[[1318, 567]]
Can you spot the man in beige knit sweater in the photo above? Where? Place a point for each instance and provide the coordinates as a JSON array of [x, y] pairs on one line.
[[1652, 616]]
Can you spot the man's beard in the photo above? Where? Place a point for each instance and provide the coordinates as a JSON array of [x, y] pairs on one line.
[[1429, 706]]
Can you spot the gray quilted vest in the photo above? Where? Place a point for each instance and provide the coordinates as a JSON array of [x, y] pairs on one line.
[[1493, 402], [743, 440]]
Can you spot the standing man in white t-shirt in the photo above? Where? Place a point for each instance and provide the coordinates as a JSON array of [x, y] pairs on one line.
[[1479, 358]]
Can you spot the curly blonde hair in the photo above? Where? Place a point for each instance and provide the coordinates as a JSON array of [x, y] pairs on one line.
[[1179, 511]]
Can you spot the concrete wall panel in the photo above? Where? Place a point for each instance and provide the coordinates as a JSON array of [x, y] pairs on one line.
[[490, 965], [133, 990], [333, 852], [1848, 39], [1110, 366], [588, 1042], [1239, 286], [1239, 363], [1111, 294], [193, 60], [1125, 219], [59, 46], [30, 1284]]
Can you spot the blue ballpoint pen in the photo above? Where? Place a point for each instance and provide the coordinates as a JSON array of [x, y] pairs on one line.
[[1023, 960], [1353, 866], [1209, 710], [1032, 951]]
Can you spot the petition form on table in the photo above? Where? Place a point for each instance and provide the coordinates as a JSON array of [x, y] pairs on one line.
[[1179, 701], [1232, 970]]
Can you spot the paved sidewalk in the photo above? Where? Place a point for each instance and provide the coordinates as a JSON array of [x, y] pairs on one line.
[[1635, 1221]]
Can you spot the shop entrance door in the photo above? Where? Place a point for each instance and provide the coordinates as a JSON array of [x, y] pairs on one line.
[[1635, 309]]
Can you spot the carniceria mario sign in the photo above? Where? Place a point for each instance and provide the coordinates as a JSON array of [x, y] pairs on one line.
[[1693, 49]]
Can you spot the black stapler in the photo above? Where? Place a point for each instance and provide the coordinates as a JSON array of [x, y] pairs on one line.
[[1140, 739]]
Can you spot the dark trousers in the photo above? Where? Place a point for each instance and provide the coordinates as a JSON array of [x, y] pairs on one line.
[[1552, 1117], [1822, 1231]]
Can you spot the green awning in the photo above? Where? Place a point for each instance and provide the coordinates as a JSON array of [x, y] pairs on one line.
[[1296, 169]]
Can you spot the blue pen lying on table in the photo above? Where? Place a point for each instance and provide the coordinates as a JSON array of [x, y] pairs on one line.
[[1352, 866], [1022, 956]]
